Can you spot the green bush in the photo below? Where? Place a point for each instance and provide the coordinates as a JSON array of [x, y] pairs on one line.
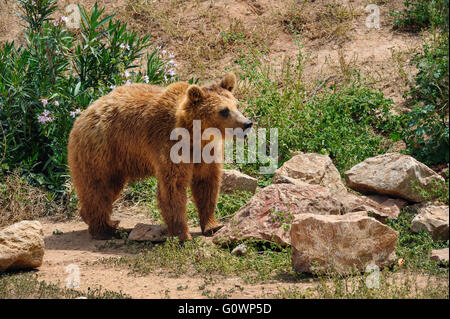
[[46, 82], [420, 15], [347, 123], [427, 131]]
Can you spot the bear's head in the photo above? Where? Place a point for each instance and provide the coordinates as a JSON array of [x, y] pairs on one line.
[[215, 106]]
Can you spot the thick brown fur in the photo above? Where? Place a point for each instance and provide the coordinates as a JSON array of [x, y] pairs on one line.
[[125, 136]]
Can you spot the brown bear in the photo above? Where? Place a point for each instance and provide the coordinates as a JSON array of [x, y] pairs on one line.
[[124, 136]]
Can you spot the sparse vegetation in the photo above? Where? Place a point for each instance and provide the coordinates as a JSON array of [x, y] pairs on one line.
[[27, 286]]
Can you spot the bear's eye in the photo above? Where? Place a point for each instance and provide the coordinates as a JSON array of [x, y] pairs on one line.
[[225, 112]]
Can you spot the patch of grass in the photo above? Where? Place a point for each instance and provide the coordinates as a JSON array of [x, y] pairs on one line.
[[204, 29], [27, 286], [21, 201], [406, 285], [346, 120], [330, 20], [415, 248], [419, 15], [200, 258], [436, 191]]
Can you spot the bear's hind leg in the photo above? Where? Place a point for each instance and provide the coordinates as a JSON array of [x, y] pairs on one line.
[[96, 211]]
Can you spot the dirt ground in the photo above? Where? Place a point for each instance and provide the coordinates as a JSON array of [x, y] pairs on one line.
[[74, 246]]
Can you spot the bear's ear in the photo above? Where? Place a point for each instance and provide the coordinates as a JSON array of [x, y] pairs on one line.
[[228, 82], [195, 93]]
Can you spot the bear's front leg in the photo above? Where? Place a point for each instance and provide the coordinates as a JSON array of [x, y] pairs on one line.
[[205, 186], [172, 200]]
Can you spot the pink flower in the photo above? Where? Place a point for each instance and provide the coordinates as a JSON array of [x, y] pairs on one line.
[[75, 113], [45, 117], [44, 101]]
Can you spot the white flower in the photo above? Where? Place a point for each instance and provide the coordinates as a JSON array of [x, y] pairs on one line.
[[128, 82], [56, 23], [164, 52], [146, 78], [158, 47], [127, 74], [44, 101], [171, 72], [65, 19], [171, 55], [112, 87], [125, 46], [56, 103]]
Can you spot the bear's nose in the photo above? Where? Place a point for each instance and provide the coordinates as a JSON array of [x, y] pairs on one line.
[[248, 125]]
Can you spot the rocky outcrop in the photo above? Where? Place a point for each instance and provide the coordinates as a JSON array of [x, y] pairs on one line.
[[391, 174], [233, 180], [343, 244], [432, 219], [269, 213], [310, 168], [21, 245]]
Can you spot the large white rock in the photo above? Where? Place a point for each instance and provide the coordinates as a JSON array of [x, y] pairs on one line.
[[310, 168], [233, 180], [391, 174], [433, 219], [21, 245], [269, 213], [340, 243]]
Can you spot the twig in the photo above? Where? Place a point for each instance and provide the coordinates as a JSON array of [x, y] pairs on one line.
[[321, 85]]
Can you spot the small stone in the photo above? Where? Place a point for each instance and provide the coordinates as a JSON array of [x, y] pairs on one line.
[[433, 219], [440, 255], [144, 232], [240, 250], [233, 180]]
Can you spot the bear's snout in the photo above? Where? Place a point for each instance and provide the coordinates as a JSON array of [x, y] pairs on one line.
[[248, 125]]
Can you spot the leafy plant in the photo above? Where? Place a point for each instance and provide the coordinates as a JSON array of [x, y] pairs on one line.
[[55, 75], [427, 131], [419, 15], [346, 122]]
